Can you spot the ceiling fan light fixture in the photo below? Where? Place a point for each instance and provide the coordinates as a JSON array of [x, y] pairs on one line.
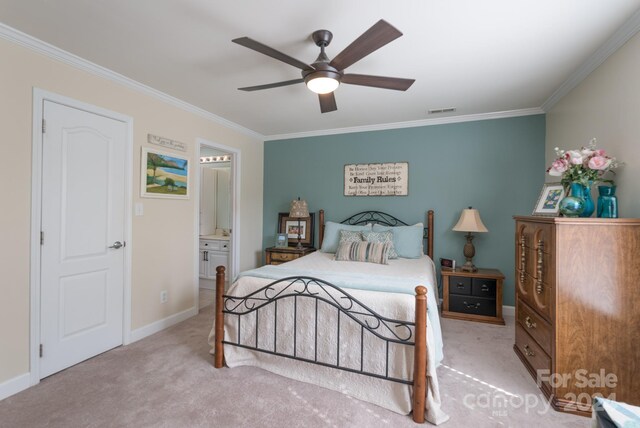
[[323, 85], [322, 81]]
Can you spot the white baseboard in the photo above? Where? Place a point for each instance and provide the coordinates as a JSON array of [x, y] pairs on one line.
[[15, 385], [160, 325], [508, 311]]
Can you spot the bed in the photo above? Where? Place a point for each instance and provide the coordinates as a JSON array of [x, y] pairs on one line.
[[371, 331]]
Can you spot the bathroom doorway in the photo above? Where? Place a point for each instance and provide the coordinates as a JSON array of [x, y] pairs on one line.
[[217, 220]]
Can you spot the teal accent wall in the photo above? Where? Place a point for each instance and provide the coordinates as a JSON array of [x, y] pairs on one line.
[[496, 166]]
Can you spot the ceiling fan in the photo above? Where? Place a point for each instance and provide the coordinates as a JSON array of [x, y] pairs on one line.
[[324, 76]]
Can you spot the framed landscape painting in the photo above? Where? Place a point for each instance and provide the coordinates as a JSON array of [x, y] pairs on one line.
[[164, 175], [549, 200]]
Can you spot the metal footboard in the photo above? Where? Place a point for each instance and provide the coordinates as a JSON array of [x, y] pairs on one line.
[[294, 290]]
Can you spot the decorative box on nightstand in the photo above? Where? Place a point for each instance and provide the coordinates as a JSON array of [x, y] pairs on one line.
[[473, 296], [276, 255]]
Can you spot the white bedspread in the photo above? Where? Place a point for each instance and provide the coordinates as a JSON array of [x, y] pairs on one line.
[[397, 305]]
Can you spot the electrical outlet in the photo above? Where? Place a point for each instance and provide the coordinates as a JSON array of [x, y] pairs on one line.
[[164, 296]]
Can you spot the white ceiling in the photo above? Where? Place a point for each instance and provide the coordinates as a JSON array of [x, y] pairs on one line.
[[478, 56]]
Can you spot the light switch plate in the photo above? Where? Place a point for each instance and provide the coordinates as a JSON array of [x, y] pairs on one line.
[[139, 208]]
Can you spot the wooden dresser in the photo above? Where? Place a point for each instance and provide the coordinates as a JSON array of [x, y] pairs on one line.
[[578, 308]]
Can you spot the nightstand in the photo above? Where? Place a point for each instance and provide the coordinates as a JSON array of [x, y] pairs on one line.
[[473, 296], [278, 255]]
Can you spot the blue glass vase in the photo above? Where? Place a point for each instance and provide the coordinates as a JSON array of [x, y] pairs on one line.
[[589, 207], [607, 202], [573, 205]]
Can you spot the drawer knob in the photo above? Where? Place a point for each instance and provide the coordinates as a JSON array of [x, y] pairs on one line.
[[528, 352], [484, 288], [472, 305], [460, 285], [529, 323]]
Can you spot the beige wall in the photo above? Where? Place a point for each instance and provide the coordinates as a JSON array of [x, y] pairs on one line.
[[606, 105], [21, 71]]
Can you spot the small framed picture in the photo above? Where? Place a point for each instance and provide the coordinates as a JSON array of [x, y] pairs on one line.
[[291, 227], [281, 240], [549, 201]]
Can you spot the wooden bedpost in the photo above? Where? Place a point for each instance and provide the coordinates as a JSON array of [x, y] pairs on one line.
[[321, 229], [219, 349], [430, 234], [420, 355]]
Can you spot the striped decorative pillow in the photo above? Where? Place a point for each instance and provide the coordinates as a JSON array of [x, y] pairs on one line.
[[382, 237], [363, 251]]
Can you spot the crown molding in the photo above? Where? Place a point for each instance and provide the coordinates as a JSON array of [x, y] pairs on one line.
[[410, 124], [44, 48], [615, 42]]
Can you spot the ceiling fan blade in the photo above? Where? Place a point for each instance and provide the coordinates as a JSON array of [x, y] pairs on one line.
[[373, 39], [395, 83], [271, 85], [327, 102], [266, 50]]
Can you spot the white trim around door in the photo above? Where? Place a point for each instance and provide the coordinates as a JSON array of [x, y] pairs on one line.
[[235, 208], [39, 97]]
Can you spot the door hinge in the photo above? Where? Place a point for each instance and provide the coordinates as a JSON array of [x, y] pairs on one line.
[[41, 238], [44, 126], [41, 350]]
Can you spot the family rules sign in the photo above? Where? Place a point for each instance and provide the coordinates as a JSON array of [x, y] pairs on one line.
[[376, 179]]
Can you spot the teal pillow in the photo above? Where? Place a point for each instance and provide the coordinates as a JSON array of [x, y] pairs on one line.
[[407, 240], [332, 235]]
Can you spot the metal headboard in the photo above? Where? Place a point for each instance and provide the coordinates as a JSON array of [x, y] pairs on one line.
[[379, 217]]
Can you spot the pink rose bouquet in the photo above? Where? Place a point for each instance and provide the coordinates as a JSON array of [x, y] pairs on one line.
[[585, 165]]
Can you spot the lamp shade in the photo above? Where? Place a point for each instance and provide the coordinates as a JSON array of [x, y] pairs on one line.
[[470, 222], [299, 209]]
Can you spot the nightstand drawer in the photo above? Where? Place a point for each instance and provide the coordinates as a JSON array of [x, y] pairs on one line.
[[472, 305], [459, 285], [483, 287], [283, 257]]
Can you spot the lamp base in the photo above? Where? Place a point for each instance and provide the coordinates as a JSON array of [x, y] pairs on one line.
[[469, 251], [469, 267]]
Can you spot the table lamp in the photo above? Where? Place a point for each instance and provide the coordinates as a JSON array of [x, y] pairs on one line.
[[469, 222], [299, 209]]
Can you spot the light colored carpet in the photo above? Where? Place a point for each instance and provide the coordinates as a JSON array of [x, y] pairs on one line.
[[168, 380], [206, 297]]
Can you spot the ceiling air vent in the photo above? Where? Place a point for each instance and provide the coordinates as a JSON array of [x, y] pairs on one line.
[[442, 110]]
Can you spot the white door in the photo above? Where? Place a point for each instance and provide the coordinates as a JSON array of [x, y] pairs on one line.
[[82, 268]]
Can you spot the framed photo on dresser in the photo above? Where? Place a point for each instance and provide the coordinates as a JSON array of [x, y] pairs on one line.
[[548, 204], [290, 226]]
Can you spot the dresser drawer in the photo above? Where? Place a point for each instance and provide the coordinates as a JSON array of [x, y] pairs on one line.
[[483, 287], [535, 356], [283, 257], [459, 285], [472, 305], [534, 233], [538, 328]]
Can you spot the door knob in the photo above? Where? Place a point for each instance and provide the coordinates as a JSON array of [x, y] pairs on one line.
[[116, 245]]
